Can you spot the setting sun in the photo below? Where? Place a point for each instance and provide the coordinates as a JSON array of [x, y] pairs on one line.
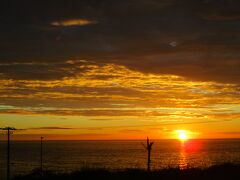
[[182, 135]]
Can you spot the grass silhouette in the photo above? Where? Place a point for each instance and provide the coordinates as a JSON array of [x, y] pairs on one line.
[[217, 172]]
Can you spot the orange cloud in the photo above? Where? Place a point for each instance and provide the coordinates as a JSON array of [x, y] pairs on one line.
[[120, 96], [73, 22]]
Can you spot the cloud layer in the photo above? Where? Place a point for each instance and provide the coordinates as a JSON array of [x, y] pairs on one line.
[[195, 39], [129, 62]]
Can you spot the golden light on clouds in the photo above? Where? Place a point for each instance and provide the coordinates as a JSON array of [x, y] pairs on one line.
[[126, 100], [127, 69], [73, 22]]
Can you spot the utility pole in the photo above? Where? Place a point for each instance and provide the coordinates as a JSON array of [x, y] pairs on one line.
[[41, 156], [8, 154], [9, 132]]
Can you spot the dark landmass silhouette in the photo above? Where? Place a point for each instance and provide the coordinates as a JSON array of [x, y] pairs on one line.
[[217, 172]]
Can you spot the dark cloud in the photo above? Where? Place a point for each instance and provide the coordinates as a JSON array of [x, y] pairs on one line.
[[52, 128], [76, 136], [43, 70], [64, 128], [197, 39], [109, 113]]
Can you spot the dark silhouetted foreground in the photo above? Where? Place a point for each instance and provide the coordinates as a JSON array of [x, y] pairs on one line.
[[220, 172]]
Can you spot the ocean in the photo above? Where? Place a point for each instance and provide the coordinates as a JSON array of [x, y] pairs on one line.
[[72, 155]]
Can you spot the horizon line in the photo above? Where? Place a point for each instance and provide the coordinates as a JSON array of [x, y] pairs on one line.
[[232, 138]]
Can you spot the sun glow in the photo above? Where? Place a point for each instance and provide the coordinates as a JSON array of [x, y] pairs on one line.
[[182, 135]]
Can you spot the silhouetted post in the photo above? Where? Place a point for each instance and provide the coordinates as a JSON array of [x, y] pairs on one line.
[[9, 131], [148, 147], [41, 156], [8, 154]]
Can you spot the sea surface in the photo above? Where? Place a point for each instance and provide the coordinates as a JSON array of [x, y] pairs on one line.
[[72, 155]]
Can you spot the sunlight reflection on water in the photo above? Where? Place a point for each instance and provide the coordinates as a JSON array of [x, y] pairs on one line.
[[183, 163], [72, 155]]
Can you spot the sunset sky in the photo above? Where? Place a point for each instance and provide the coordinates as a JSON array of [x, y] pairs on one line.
[[106, 69]]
